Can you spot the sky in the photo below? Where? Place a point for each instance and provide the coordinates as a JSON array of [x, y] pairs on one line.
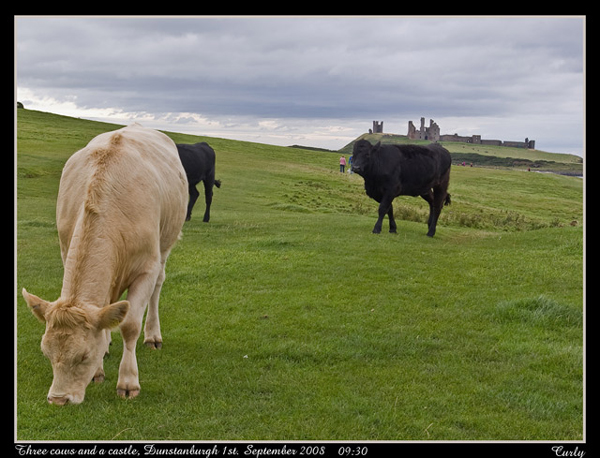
[[315, 80]]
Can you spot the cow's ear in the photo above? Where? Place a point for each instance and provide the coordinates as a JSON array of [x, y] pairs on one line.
[[112, 315], [36, 305], [376, 147]]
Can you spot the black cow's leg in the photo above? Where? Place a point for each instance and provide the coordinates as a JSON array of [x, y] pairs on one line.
[[393, 226], [439, 196], [193, 196], [384, 206], [208, 195], [429, 198]]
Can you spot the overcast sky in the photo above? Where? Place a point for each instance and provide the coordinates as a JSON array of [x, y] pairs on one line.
[[315, 81]]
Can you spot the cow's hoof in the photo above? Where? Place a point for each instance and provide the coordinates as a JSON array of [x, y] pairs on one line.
[[128, 394], [154, 344]]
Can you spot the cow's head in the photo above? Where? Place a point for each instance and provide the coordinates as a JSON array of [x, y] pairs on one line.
[[75, 342], [361, 156]]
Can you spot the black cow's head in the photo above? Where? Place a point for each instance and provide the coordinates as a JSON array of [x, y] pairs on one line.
[[361, 156]]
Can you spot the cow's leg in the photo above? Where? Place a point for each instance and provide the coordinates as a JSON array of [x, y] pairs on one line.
[[128, 385], [393, 226], [384, 207], [193, 197], [99, 374], [439, 197], [152, 335], [208, 195], [429, 198]]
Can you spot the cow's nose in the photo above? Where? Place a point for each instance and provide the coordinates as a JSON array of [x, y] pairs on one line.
[[58, 400]]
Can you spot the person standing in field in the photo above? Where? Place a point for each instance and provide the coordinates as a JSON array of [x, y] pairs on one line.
[[342, 164]]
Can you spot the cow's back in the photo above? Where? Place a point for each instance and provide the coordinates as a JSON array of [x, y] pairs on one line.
[[198, 161], [130, 179], [412, 169], [443, 157]]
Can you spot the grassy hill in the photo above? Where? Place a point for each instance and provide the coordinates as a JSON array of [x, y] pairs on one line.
[[285, 318], [490, 156]]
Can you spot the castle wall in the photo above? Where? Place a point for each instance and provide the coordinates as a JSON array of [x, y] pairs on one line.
[[412, 131], [515, 144], [432, 133], [455, 138], [492, 142]]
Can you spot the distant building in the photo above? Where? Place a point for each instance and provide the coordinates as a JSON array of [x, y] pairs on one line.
[[377, 127], [432, 133]]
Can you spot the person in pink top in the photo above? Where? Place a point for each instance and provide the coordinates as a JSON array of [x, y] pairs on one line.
[[342, 164]]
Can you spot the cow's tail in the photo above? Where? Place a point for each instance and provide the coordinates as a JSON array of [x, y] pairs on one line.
[[447, 201], [218, 183]]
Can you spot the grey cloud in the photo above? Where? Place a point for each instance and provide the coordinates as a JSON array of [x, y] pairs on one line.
[[308, 67]]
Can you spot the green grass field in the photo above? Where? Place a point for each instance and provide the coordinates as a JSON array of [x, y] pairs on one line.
[[285, 318]]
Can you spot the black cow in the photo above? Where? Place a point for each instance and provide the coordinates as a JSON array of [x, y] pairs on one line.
[[404, 170], [199, 163]]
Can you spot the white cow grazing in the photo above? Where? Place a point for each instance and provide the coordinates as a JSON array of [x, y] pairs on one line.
[[121, 206]]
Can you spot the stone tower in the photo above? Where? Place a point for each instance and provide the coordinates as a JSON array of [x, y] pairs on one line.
[[431, 133]]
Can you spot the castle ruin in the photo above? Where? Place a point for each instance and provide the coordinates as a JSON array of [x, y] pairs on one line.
[[377, 127], [432, 133]]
